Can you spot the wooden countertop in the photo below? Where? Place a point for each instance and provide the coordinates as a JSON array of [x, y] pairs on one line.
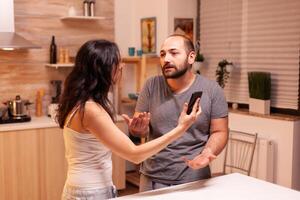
[[278, 116], [35, 123]]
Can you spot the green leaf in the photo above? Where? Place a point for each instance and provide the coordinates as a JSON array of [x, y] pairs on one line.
[[259, 85]]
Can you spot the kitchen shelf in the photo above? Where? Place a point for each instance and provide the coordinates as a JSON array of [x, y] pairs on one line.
[[60, 65], [136, 59], [133, 178], [126, 100], [139, 64], [131, 59], [72, 18]]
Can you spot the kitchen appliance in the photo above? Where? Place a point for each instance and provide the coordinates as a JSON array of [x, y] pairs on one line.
[[17, 107], [56, 91], [10, 40], [15, 111], [7, 120]]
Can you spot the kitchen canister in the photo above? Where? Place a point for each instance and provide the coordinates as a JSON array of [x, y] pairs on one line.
[[72, 11], [86, 9], [92, 7]]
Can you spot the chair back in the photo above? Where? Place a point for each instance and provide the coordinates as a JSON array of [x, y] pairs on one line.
[[239, 152]]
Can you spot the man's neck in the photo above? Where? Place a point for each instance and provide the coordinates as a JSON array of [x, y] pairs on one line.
[[182, 83]]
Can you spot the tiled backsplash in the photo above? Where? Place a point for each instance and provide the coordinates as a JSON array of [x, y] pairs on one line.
[[23, 72]]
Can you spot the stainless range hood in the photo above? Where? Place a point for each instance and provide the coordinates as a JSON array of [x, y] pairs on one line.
[[9, 40]]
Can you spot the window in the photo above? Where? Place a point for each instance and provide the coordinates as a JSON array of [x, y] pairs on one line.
[[256, 35]]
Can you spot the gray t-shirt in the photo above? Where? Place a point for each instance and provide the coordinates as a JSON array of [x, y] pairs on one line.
[[165, 107]]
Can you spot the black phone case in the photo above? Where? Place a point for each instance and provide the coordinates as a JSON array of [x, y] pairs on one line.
[[193, 99]]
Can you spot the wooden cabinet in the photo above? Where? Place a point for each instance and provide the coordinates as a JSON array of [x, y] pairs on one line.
[[140, 65], [33, 165], [53, 166], [119, 168]]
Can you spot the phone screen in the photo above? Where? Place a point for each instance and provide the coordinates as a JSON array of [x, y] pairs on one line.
[[193, 99]]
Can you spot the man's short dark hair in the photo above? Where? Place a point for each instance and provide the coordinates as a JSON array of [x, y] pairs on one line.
[[188, 44]]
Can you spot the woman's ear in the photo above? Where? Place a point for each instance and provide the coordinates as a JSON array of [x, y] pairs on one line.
[[117, 73], [191, 57]]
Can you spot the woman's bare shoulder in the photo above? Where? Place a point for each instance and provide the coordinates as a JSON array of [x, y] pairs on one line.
[[93, 110], [95, 117]]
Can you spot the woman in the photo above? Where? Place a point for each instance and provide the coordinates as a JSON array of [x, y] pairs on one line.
[[90, 134]]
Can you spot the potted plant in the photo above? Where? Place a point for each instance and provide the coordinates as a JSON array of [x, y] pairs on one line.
[[198, 64], [199, 59], [260, 92], [223, 71]]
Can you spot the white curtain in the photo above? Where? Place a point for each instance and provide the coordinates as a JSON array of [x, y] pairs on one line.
[[256, 35]]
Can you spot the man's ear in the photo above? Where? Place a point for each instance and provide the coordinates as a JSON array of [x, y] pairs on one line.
[[191, 57]]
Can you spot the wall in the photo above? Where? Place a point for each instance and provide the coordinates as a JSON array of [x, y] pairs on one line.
[[296, 145], [124, 33], [23, 71], [129, 20], [181, 9], [285, 135], [164, 10]]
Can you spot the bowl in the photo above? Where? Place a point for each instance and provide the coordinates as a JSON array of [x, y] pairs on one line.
[[133, 96]]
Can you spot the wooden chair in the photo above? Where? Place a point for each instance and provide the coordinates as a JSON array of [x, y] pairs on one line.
[[239, 153]]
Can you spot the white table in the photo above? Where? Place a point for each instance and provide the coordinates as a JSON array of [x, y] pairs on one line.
[[228, 187]]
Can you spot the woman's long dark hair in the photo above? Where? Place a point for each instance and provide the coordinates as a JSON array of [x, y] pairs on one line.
[[95, 64]]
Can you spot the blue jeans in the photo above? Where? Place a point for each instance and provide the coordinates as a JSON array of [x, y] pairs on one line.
[[147, 184], [78, 193]]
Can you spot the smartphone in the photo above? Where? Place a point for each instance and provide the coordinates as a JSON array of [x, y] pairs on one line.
[[193, 99]]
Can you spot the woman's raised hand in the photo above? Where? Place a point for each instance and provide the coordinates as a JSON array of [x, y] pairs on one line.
[[186, 120]]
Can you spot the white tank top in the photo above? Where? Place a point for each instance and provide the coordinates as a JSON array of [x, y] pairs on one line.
[[89, 161]]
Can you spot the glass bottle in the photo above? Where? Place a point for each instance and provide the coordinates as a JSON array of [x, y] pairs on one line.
[[53, 50]]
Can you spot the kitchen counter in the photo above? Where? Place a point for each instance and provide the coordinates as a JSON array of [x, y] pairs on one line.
[[277, 116], [35, 123]]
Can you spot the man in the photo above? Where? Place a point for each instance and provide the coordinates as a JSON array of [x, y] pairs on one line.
[[186, 159]]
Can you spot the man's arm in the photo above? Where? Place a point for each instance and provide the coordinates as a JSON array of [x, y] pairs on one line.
[[215, 144], [138, 125], [219, 136]]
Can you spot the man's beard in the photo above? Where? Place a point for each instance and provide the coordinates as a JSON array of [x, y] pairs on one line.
[[177, 73]]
